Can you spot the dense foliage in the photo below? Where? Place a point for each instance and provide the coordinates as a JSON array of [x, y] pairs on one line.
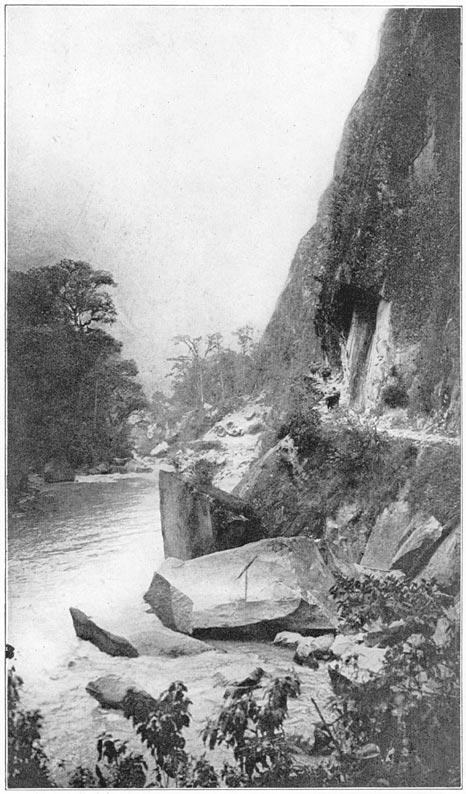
[[251, 728], [397, 727], [372, 599], [401, 727], [342, 461], [69, 389], [27, 762]]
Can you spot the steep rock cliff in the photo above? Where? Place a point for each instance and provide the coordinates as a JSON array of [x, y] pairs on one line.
[[373, 293], [374, 285]]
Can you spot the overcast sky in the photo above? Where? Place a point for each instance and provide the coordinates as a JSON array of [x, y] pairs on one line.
[[183, 149]]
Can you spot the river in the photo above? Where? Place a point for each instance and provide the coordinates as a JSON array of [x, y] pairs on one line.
[[94, 544]]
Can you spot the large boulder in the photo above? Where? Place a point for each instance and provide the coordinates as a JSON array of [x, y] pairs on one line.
[[282, 583], [58, 471], [445, 564], [109, 643], [185, 518], [198, 520]]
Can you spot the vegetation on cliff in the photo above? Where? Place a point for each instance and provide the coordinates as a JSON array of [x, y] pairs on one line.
[[388, 225]]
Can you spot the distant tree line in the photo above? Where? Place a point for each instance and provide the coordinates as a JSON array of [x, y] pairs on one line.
[[206, 371], [69, 389]]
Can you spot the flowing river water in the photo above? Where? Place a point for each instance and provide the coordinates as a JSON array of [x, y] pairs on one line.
[[94, 545]]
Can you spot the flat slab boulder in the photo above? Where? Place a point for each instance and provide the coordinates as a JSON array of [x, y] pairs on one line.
[[104, 640], [282, 582]]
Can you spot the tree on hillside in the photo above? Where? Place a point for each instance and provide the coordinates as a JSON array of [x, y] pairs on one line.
[[189, 367], [245, 336], [69, 389]]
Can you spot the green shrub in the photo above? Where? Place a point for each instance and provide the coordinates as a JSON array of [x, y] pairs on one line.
[[253, 730], [394, 395], [257, 427], [206, 446], [436, 483], [203, 473], [27, 763], [402, 726], [372, 598], [303, 426]]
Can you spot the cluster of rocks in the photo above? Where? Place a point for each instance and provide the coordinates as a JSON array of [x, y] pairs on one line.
[[119, 466], [221, 579], [61, 471]]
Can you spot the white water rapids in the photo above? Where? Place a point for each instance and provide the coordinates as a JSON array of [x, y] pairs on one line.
[[95, 545]]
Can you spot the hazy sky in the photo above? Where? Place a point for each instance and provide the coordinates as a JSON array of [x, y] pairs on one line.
[[183, 149]]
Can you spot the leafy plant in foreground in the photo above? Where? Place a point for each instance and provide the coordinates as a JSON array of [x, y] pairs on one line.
[[27, 762], [255, 733]]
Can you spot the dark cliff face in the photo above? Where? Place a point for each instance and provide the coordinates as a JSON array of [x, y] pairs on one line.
[[374, 285]]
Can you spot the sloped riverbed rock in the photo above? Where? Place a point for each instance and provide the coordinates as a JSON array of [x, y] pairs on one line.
[[104, 640], [111, 690], [425, 531], [445, 564], [389, 532], [400, 541], [282, 583]]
